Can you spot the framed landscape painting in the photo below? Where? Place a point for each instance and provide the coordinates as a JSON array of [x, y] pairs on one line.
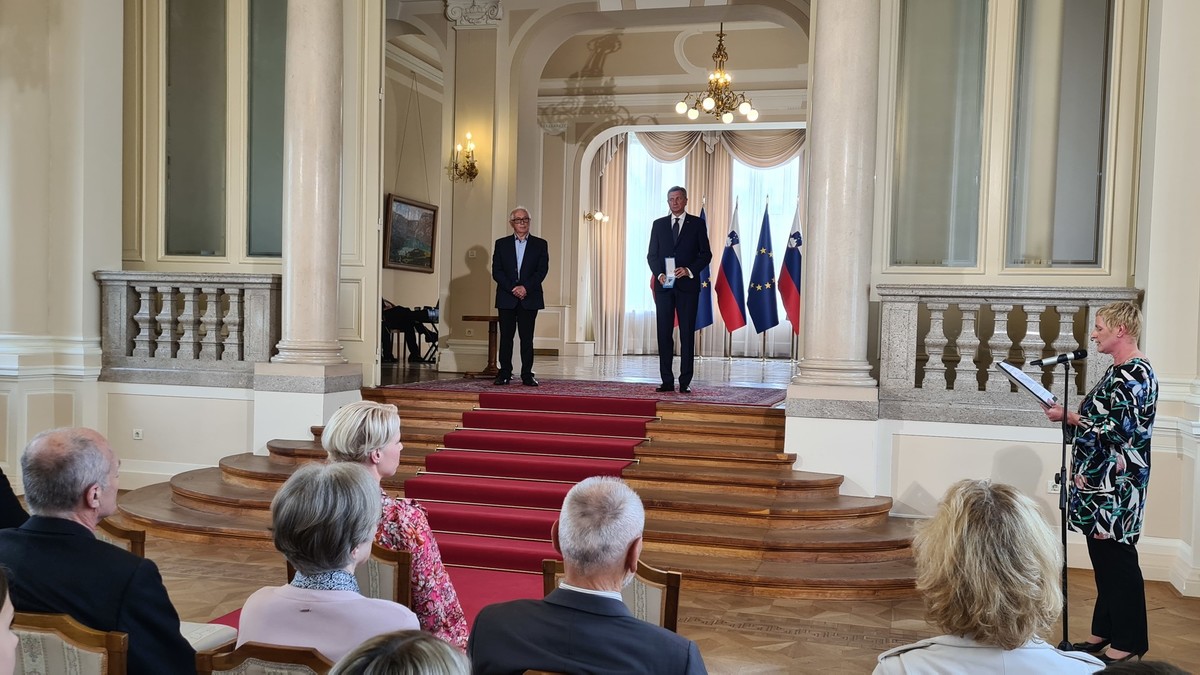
[[408, 235]]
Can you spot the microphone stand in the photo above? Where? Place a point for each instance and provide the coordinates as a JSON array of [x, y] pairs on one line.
[[1062, 480]]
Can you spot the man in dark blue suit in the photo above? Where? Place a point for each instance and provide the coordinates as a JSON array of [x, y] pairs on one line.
[[683, 238], [519, 266], [57, 565], [583, 626]]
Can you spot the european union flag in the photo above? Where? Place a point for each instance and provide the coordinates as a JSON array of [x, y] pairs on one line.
[[704, 313], [760, 293]]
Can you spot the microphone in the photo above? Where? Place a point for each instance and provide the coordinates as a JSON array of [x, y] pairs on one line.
[[1061, 358]]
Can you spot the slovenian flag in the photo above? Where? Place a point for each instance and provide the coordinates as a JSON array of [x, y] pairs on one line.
[[760, 294], [704, 313], [789, 275], [731, 294]]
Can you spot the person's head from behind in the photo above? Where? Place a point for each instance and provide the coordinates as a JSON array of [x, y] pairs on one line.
[[8, 639], [599, 531], [406, 652], [324, 517], [367, 433], [71, 473], [988, 565]]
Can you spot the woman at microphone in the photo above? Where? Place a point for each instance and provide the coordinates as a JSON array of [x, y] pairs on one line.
[[1110, 469]]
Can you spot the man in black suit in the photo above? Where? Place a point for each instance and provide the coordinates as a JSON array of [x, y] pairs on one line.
[[683, 238], [56, 564], [519, 266], [583, 626]]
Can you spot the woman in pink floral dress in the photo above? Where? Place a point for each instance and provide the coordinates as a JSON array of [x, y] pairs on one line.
[[369, 433]]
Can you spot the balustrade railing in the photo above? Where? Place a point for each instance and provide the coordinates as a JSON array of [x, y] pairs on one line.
[[206, 329], [939, 346]]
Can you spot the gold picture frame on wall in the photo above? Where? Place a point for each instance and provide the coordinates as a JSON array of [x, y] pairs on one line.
[[409, 234]]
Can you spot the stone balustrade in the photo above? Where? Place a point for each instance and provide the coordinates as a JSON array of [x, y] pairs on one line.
[[205, 329], [940, 346]]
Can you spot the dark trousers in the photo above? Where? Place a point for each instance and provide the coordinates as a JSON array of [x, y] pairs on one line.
[[1120, 612], [516, 321], [405, 319], [668, 304]]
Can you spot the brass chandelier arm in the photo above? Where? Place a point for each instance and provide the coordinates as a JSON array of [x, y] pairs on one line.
[[718, 99]]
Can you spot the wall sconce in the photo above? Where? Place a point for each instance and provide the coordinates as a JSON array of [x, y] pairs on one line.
[[595, 217], [464, 168]]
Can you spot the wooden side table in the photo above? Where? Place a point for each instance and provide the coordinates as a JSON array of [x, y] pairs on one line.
[[493, 344]]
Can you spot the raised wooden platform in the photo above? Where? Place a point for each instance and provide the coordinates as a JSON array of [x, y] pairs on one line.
[[723, 505]]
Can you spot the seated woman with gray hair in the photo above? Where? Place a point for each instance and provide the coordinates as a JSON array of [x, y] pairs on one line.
[[988, 566], [323, 520]]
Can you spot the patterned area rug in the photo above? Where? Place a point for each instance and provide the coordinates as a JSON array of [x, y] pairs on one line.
[[701, 393]]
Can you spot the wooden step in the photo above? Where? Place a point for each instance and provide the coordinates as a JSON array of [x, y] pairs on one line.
[[800, 484], [733, 508], [722, 414], [813, 580], [207, 490], [152, 508], [738, 435], [692, 454], [890, 541]]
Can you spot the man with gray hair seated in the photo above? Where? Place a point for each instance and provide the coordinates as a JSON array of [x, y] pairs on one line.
[[57, 565], [583, 626]]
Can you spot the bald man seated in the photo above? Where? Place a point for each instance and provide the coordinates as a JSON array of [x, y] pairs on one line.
[[57, 565], [583, 626]]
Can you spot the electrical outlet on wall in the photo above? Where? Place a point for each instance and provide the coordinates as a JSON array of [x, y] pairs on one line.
[[137, 434], [1052, 487], [470, 332]]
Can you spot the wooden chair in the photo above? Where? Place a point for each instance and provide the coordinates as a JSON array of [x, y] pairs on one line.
[[49, 642], [387, 574], [254, 658], [200, 636], [653, 595]]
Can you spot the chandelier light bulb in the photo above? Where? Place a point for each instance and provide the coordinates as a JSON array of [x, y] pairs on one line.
[[681, 107], [727, 117], [458, 148], [692, 113], [744, 108], [752, 115], [718, 99], [708, 103], [599, 215]]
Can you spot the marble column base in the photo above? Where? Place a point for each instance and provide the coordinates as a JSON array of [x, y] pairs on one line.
[[289, 398], [315, 352], [835, 372]]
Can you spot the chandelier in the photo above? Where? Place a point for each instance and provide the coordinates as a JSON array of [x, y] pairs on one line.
[[719, 100]]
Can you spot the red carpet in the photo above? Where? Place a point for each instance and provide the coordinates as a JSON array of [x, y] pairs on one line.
[[478, 519], [572, 469], [702, 392], [548, 444], [555, 423], [498, 491], [479, 588], [579, 404]]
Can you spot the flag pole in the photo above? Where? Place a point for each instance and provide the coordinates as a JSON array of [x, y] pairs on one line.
[[763, 356]]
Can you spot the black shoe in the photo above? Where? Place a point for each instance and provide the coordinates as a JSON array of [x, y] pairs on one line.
[[685, 390], [501, 380], [665, 388], [389, 359], [1089, 647], [530, 381], [416, 359], [1128, 657]]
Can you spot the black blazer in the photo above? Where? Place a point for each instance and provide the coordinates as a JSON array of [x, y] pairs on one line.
[[534, 268], [573, 632], [59, 566], [691, 250]]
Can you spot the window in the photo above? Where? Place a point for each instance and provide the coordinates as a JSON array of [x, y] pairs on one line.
[[264, 193], [938, 152], [774, 190], [647, 182]]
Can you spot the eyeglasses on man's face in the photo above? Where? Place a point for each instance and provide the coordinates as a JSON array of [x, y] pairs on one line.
[[519, 220]]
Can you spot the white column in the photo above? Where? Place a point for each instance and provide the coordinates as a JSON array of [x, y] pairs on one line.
[[841, 137], [312, 154]]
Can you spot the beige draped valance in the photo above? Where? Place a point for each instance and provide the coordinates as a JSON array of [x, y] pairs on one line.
[[759, 149]]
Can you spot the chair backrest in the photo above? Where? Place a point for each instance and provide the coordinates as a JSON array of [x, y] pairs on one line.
[[255, 658], [652, 596], [387, 574], [49, 642], [133, 541]]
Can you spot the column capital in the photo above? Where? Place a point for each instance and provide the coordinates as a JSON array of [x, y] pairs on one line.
[[473, 13]]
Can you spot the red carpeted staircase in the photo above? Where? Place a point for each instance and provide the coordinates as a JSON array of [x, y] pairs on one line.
[[496, 486]]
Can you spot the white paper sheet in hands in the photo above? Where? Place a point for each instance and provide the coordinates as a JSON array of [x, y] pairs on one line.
[[1026, 383]]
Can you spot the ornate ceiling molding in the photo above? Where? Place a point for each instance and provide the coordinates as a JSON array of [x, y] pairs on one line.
[[473, 13]]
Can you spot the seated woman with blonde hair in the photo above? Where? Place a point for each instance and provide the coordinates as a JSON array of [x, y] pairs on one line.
[[323, 521], [988, 566], [368, 434], [407, 652]]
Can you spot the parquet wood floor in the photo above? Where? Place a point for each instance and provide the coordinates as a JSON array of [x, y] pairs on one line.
[[736, 634]]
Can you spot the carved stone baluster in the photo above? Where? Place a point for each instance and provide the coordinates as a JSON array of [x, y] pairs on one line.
[[189, 324], [999, 345], [935, 345], [164, 347], [233, 327], [1032, 345], [210, 342], [966, 375], [1065, 341], [143, 341]]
